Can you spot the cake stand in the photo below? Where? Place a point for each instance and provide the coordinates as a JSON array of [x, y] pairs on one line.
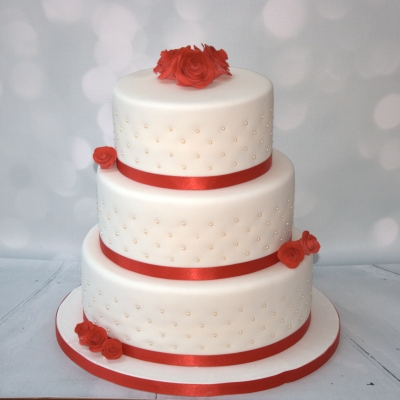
[[303, 358]]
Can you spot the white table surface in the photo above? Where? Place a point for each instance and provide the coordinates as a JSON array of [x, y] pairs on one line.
[[366, 364]]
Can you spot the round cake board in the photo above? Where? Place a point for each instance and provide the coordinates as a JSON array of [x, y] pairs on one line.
[[303, 358]]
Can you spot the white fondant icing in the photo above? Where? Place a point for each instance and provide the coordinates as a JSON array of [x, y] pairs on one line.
[[167, 129], [195, 317]]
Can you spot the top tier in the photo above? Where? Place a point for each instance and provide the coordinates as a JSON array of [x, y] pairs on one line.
[[166, 129]]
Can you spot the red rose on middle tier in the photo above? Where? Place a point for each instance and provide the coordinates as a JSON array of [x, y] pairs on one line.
[[192, 67], [291, 254], [105, 156], [95, 338]]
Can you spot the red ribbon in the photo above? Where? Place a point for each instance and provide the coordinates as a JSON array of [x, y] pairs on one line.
[[194, 183], [189, 274], [218, 360], [197, 389]]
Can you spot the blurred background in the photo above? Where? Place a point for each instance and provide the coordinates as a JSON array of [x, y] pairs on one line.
[[335, 66]]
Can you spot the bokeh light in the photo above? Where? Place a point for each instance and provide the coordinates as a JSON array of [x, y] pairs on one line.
[[387, 111], [291, 66], [385, 231], [111, 22], [285, 19], [20, 38], [98, 84], [190, 10], [65, 11]]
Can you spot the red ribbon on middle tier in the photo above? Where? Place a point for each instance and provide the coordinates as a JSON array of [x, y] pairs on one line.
[[189, 274], [195, 182]]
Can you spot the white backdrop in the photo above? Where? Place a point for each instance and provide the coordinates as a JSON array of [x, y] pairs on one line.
[[335, 69]]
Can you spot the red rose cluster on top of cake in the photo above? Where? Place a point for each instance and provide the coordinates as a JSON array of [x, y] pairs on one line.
[[192, 67]]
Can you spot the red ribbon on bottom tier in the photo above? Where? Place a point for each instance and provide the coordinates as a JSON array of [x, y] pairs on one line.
[[218, 360], [189, 274]]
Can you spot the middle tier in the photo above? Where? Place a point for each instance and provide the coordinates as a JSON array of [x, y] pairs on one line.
[[198, 229]]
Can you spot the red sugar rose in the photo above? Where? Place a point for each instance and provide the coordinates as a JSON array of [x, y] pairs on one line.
[[83, 327], [291, 254], [192, 67], [309, 243], [112, 349], [105, 156], [163, 66], [95, 338], [218, 57]]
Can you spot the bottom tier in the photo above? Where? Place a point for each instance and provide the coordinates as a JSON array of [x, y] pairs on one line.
[[303, 358], [237, 319]]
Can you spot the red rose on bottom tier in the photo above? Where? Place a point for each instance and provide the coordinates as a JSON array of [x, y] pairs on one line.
[[310, 243], [112, 349], [291, 254], [95, 338]]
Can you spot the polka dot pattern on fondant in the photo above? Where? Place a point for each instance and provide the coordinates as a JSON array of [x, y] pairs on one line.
[[253, 219], [205, 139]]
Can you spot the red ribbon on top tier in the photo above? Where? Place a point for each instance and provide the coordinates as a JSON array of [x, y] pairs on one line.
[[189, 274], [216, 360], [195, 182]]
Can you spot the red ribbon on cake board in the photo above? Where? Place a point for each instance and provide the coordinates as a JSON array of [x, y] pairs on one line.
[[196, 389]]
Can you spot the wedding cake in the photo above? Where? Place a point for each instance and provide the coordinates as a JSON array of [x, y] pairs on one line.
[[195, 261]]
